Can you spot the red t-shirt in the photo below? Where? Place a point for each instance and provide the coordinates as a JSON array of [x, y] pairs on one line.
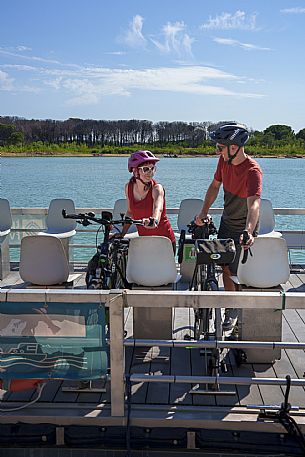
[[143, 209], [239, 182]]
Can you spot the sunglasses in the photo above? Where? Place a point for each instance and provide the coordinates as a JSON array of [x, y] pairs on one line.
[[148, 169], [220, 148]]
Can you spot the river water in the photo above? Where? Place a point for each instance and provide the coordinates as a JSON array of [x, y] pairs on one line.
[[99, 181]]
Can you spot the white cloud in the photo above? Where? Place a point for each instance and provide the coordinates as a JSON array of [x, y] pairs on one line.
[[91, 84], [116, 53], [23, 48], [32, 58], [245, 46], [295, 10], [134, 36], [6, 83], [175, 39], [227, 21]]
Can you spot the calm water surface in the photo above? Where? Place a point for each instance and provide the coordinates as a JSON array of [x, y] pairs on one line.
[[99, 181]]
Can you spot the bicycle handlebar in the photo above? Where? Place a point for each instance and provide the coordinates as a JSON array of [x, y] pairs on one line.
[[202, 231], [87, 218]]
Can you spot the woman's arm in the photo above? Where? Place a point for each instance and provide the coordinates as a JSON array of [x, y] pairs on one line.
[[158, 204]]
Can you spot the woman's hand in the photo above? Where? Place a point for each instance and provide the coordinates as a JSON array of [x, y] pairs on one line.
[[116, 235], [150, 222]]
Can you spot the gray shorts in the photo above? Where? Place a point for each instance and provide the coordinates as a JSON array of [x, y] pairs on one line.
[[225, 232]]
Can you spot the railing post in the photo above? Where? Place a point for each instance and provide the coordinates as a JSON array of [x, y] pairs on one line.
[[116, 321]]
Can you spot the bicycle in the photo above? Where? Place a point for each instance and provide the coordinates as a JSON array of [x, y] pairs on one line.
[[107, 268], [210, 253]]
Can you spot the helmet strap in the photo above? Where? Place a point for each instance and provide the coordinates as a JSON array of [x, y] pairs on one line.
[[147, 185], [232, 156]]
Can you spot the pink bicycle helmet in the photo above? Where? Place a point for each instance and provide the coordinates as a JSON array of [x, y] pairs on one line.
[[139, 157]]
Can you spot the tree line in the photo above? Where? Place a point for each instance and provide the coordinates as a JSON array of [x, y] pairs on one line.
[[124, 133]]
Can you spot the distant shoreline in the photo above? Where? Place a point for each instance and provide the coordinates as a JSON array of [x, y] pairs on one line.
[[183, 156]]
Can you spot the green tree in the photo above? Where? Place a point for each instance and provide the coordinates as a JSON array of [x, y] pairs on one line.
[[9, 135], [301, 135], [280, 133]]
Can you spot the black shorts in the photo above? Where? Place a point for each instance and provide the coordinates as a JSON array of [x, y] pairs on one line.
[[226, 232]]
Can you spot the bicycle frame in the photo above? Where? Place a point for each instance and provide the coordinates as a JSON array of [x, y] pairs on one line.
[[111, 255]]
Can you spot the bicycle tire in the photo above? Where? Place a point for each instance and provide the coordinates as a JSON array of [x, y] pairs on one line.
[[118, 277], [201, 315]]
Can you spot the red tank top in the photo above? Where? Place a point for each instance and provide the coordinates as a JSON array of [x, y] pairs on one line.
[[143, 209]]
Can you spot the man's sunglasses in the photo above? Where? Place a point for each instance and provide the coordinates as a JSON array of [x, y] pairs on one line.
[[220, 148], [148, 169]]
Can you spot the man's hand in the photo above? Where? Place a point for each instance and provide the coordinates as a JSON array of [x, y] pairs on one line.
[[246, 239], [200, 220]]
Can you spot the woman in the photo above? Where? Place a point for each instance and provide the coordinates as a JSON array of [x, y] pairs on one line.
[[146, 198]]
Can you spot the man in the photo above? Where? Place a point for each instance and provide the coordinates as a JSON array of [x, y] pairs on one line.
[[241, 178]]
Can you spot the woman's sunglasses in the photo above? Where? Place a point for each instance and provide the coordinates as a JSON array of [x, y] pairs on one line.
[[148, 169]]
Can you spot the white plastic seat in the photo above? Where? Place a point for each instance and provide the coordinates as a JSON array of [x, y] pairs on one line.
[[5, 228], [151, 261], [43, 261], [267, 219], [120, 207], [188, 209], [56, 225], [268, 266], [59, 227], [151, 265], [266, 269]]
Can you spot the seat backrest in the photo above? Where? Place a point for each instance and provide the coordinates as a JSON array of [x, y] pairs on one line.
[[55, 222], [5, 215], [189, 207], [120, 206], [43, 260], [266, 217], [268, 266], [151, 261]]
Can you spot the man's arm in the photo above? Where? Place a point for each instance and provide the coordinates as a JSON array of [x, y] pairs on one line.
[[253, 204], [209, 199]]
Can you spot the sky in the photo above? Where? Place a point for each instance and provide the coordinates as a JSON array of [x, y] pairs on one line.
[[160, 60]]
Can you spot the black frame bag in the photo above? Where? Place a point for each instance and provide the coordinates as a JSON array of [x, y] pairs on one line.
[[219, 251]]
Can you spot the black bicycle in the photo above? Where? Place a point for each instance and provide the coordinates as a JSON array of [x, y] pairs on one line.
[[210, 254], [107, 268]]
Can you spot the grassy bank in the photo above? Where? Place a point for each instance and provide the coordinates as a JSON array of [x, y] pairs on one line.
[[74, 149]]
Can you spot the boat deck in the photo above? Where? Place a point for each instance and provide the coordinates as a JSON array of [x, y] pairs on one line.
[[56, 400]]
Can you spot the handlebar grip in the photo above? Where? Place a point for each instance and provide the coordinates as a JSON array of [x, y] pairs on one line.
[[245, 238]]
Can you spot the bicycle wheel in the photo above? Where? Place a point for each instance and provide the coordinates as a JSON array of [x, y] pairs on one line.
[[201, 315], [212, 286], [118, 268]]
